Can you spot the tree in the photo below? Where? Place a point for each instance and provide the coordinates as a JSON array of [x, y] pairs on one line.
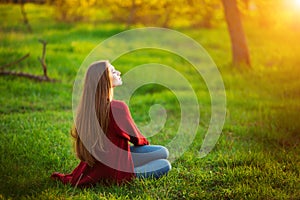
[[24, 14], [73, 10], [204, 13], [240, 52], [150, 13]]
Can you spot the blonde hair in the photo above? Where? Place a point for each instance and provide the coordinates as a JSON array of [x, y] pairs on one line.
[[92, 118]]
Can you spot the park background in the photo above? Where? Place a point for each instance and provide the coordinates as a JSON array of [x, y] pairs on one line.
[[257, 155]]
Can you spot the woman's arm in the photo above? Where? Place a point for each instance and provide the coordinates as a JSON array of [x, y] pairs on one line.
[[124, 121]]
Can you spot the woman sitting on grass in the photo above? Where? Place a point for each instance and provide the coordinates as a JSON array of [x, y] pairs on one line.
[[102, 132]]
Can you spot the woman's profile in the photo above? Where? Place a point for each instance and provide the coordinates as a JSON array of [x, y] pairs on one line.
[[103, 131]]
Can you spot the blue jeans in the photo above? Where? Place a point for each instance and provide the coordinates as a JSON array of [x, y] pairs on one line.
[[150, 161]]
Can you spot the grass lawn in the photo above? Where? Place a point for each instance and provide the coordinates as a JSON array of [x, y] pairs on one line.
[[256, 157]]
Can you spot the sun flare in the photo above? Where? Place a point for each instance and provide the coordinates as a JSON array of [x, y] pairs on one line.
[[297, 3]]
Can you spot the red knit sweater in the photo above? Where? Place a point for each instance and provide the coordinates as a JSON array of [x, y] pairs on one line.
[[121, 131]]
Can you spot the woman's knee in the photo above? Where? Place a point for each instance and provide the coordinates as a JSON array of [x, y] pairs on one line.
[[166, 164], [156, 169], [164, 167], [164, 152], [151, 152]]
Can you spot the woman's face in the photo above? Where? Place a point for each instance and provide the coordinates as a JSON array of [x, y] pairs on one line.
[[116, 78]]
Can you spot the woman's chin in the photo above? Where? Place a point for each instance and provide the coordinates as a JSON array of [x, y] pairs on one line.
[[117, 84]]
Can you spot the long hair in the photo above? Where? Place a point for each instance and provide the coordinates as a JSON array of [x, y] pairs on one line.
[[92, 118]]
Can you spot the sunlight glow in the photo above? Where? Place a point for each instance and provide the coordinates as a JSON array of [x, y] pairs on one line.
[[297, 3]]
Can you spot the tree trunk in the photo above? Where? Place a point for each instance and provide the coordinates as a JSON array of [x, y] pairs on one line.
[[240, 52], [25, 19], [132, 14]]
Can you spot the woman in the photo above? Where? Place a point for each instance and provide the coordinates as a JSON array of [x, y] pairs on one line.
[[102, 132]]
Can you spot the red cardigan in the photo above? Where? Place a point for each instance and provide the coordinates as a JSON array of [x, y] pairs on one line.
[[121, 130]]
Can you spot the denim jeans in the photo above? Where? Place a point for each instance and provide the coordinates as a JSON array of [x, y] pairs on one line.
[[150, 161]]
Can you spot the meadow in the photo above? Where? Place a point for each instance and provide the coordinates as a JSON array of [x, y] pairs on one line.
[[256, 157]]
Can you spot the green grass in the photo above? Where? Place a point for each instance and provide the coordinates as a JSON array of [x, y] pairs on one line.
[[256, 157]]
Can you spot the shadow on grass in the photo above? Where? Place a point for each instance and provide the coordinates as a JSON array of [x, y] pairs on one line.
[[29, 186]]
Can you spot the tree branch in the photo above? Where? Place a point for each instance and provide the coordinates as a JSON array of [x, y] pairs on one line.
[[15, 62], [42, 60], [27, 75], [31, 76]]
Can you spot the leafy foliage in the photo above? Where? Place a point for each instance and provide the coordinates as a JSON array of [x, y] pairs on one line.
[[74, 10], [164, 13]]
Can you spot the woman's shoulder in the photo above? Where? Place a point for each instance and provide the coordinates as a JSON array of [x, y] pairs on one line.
[[119, 109], [119, 105]]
